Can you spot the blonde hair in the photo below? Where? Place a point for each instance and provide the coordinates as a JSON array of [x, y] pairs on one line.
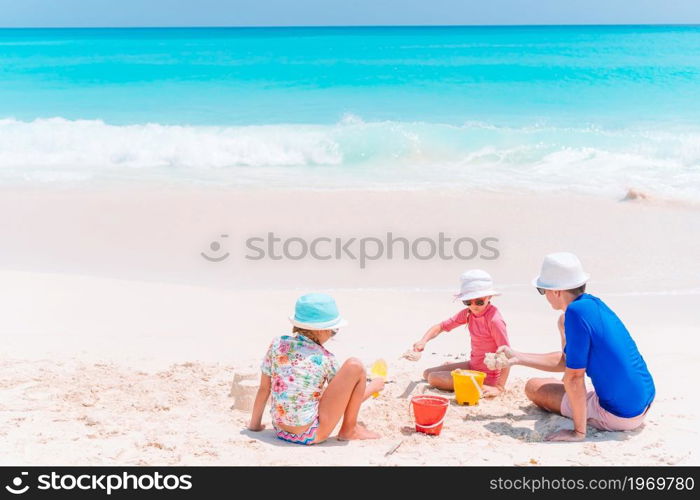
[[310, 334]]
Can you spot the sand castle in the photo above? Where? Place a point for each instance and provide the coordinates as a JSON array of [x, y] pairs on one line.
[[243, 389], [411, 355]]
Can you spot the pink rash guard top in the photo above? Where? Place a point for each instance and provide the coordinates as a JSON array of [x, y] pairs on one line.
[[487, 332]]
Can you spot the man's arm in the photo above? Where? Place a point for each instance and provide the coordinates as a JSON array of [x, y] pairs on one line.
[[574, 383], [562, 332], [549, 362], [578, 345]]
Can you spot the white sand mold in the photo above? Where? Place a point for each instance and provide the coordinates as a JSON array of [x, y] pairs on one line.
[[411, 355], [243, 390], [495, 360]]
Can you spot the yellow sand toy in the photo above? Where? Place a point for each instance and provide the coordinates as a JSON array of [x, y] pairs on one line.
[[468, 385], [379, 369]]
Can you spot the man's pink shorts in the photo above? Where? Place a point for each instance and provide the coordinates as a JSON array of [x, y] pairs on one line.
[[603, 419]]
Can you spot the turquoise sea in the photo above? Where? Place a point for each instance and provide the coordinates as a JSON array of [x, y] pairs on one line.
[[591, 109]]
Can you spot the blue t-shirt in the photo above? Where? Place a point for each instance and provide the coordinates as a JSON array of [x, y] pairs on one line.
[[597, 340]]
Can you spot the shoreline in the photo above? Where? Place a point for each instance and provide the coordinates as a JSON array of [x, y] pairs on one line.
[[161, 188]]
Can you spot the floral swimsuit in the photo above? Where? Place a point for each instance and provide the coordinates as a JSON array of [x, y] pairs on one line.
[[299, 369]]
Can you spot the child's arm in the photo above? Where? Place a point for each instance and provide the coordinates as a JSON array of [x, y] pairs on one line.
[[260, 402], [461, 318], [432, 332]]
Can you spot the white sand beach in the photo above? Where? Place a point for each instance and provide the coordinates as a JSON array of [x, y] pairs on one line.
[[119, 341]]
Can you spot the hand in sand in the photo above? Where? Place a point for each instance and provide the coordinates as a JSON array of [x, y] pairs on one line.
[[414, 354], [257, 428], [509, 353], [419, 346], [411, 355], [565, 435]]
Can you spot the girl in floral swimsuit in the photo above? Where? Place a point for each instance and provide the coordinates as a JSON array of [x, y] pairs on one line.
[[309, 392]]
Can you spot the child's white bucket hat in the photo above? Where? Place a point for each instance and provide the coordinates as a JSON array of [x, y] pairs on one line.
[[561, 271], [475, 284]]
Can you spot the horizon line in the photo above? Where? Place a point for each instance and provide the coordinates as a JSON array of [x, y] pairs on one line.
[[361, 26]]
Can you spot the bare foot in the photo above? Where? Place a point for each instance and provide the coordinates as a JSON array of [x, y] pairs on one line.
[[491, 392], [359, 432]]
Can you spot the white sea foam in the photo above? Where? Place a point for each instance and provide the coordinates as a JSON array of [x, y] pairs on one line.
[[356, 153]]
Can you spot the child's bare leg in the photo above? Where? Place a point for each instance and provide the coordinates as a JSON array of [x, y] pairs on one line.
[[464, 365], [441, 380], [440, 377], [342, 398]]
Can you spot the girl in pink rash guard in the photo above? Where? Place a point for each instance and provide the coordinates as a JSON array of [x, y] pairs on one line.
[[487, 332]]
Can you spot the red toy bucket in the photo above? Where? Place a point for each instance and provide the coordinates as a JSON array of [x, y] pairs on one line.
[[429, 413]]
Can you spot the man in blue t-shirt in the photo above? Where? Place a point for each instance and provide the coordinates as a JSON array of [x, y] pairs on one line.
[[594, 342]]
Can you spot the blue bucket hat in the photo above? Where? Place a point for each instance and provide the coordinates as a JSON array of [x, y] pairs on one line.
[[317, 311]]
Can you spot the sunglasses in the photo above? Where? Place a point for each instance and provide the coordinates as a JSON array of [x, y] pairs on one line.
[[541, 290], [478, 302], [334, 332]]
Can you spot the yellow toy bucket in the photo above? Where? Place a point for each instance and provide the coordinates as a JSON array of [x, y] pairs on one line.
[[468, 385]]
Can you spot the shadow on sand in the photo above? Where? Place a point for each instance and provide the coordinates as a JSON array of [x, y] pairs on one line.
[[268, 436], [545, 423]]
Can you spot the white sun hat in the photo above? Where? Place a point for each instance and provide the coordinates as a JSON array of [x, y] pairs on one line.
[[561, 271], [475, 284]]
